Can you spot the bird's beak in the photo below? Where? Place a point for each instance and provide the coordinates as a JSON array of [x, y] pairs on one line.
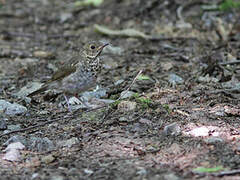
[[100, 49], [103, 46]]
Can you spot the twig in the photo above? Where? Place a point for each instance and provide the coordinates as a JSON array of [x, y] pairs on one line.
[[31, 127], [134, 80], [179, 13], [181, 8], [220, 174], [226, 173], [130, 85], [156, 38], [230, 63]]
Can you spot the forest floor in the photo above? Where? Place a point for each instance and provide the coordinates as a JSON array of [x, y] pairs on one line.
[[181, 117]]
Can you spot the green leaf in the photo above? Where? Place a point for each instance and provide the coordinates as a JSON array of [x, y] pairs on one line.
[[229, 4], [89, 2], [208, 170], [143, 77], [167, 108]]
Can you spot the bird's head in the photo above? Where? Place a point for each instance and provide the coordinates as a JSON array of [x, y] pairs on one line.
[[92, 50]]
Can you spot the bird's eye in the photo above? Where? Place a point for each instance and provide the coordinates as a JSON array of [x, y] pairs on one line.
[[92, 46]]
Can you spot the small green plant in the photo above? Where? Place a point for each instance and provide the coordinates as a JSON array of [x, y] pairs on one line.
[[143, 77], [228, 5], [114, 96], [136, 95], [115, 103], [145, 102], [167, 108]]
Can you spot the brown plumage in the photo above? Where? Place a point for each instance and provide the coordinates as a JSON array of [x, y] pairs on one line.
[[78, 76]]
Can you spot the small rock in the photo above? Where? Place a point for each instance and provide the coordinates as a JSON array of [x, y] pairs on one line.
[[183, 25], [12, 109], [40, 144], [201, 131], [207, 79], [31, 162], [16, 138], [126, 94], [127, 106], [43, 54], [166, 66], [213, 140], [232, 84], [98, 93], [146, 121], [73, 172], [68, 143], [95, 102], [88, 171], [65, 16], [3, 124], [48, 159], [174, 149], [14, 127], [43, 112], [12, 155], [34, 176], [137, 127], [174, 79], [141, 172], [15, 145], [120, 81], [172, 130], [57, 178], [123, 119], [171, 177]]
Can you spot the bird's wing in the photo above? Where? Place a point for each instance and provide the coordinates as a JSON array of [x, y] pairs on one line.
[[62, 73], [73, 60]]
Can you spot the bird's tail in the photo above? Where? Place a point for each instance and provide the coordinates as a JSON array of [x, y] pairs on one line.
[[42, 89]]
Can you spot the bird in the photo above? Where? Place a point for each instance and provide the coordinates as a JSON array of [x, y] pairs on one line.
[[78, 76]]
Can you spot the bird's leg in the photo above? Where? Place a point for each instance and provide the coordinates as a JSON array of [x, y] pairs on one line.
[[69, 107], [76, 95]]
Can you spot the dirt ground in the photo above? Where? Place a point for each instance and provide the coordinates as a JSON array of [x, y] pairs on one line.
[[184, 114]]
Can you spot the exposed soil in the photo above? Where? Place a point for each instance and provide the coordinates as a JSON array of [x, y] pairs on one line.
[[201, 46]]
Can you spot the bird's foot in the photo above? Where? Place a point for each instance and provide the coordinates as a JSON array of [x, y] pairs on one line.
[[75, 100]]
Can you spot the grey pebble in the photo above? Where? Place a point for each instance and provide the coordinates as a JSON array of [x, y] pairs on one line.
[[33, 143], [12, 109], [16, 138], [40, 144], [126, 94], [3, 124], [14, 127], [172, 129], [213, 140], [174, 79]]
